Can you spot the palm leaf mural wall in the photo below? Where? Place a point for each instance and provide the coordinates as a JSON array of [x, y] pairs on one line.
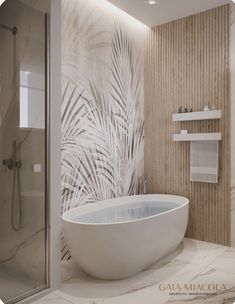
[[102, 128]]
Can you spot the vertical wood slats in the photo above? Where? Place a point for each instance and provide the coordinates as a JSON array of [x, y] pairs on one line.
[[187, 65]]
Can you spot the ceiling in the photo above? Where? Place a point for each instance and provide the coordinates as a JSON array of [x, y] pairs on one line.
[[165, 10]]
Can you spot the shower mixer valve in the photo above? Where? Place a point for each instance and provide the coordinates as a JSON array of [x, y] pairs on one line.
[[10, 163]]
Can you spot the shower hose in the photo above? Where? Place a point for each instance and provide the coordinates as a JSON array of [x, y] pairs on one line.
[[16, 179]]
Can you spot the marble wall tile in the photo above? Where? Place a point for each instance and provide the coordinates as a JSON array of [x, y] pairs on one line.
[[42, 5]]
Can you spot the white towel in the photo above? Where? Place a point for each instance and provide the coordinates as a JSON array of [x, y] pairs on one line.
[[204, 160]]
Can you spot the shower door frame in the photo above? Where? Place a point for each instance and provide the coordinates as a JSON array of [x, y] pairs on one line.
[[38, 291], [47, 149], [52, 155]]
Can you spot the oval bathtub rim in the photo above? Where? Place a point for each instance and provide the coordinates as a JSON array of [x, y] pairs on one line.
[[180, 205]]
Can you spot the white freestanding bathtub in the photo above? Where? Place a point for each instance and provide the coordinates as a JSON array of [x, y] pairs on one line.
[[117, 238]]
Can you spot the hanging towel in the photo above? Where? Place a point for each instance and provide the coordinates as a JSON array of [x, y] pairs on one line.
[[204, 160]]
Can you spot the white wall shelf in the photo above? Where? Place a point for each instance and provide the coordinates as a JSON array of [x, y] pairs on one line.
[[202, 115], [197, 137]]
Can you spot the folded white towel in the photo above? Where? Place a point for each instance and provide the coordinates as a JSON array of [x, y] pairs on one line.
[[204, 160]]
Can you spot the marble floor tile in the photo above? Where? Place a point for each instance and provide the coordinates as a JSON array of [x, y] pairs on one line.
[[211, 286], [198, 252], [52, 301], [149, 295], [72, 299], [226, 262], [19, 283], [188, 260], [51, 298], [193, 262], [86, 287]]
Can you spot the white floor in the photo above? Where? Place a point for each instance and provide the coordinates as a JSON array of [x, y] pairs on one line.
[[200, 272], [19, 283]]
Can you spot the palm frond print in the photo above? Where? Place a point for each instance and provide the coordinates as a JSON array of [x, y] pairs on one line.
[[103, 134]]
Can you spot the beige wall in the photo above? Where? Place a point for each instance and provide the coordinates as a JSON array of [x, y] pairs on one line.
[[187, 65]]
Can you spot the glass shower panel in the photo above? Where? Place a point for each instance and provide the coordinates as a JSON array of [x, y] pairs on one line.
[[22, 149]]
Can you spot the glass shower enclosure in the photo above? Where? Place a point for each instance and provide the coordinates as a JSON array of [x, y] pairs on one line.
[[23, 104]]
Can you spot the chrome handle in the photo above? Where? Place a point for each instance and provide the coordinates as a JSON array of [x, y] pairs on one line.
[[9, 163]]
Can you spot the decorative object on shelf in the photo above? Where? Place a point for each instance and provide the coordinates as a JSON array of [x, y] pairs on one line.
[[180, 110], [213, 108], [206, 108]]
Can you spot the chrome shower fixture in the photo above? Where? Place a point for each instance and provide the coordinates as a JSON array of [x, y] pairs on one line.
[[8, 28], [12, 164]]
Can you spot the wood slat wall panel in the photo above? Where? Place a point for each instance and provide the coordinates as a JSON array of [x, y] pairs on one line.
[[187, 65]]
